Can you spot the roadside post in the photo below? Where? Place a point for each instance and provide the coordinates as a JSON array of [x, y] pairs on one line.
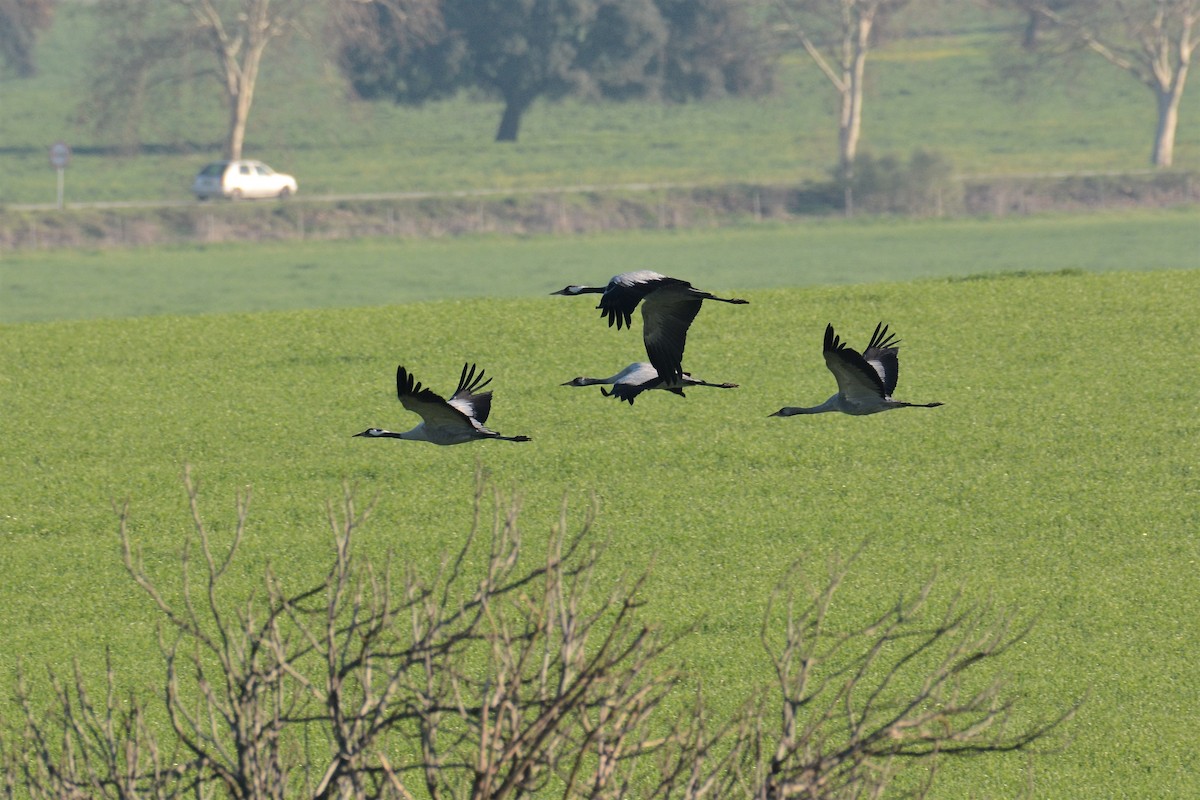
[[60, 156]]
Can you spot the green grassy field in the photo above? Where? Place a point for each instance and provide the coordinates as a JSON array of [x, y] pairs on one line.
[[942, 93], [1059, 479], [72, 284]]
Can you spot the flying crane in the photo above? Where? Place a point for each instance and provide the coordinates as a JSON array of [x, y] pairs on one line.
[[668, 307], [865, 381], [445, 422], [640, 377]]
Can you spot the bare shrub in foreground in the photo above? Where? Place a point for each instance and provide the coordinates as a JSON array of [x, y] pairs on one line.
[[107, 751], [506, 680], [858, 706]]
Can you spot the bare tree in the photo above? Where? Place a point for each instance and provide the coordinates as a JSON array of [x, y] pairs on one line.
[[860, 705], [502, 679], [149, 42], [82, 750], [564, 689], [838, 36], [20, 23], [1152, 40]]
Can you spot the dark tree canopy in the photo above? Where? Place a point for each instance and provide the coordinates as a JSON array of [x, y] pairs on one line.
[[398, 50], [20, 23], [411, 51], [714, 50]]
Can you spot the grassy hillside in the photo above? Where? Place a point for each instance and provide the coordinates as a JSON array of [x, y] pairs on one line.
[[71, 284], [1058, 480], [942, 93]]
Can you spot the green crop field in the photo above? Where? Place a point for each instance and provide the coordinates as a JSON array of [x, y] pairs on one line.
[[1059, 479], [943, 93]]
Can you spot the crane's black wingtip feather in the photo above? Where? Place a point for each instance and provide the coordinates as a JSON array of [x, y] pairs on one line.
[[471, 381], [406, 384], [831, 339], [882, 340]]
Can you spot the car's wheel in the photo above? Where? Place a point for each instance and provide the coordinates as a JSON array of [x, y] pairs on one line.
[[285, 193], [236, 194]]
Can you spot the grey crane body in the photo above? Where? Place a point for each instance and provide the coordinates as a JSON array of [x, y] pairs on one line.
[[668, 307], [865, 381], [445, 422], [642, 377]]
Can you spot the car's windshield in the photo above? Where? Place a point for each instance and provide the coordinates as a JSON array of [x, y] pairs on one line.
[[213, 170]]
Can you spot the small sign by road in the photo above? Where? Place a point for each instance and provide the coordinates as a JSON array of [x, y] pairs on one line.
[[60, 155]]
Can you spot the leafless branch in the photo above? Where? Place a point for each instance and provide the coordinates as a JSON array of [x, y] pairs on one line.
[[500, 675]]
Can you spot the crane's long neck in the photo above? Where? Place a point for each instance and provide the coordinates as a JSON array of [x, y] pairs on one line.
[[790, 411], [585, 381], [417, 434]]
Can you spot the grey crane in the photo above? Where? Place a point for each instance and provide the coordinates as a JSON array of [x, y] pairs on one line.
[[641, 377], [865, 382], [454, 421], [668, 307]]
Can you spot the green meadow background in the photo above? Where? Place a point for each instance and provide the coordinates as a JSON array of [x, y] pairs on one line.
[[941, 83], [39, 285], [1059, 480]]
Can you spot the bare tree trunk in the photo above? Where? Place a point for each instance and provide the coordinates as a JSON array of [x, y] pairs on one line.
[[241, 96], [1164, 135], [858, 42], [1169, 68], [239, 113], [854, 68], [239, 51]]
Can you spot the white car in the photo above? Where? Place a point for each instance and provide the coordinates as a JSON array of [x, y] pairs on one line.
[[238, 179]]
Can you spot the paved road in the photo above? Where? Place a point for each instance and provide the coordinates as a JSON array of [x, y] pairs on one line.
[[333, 198], [619, 187]]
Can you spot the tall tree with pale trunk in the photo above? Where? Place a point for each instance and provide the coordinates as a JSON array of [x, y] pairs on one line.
[[151, 42], [237, 35], [838, 36], [1152, 40]]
